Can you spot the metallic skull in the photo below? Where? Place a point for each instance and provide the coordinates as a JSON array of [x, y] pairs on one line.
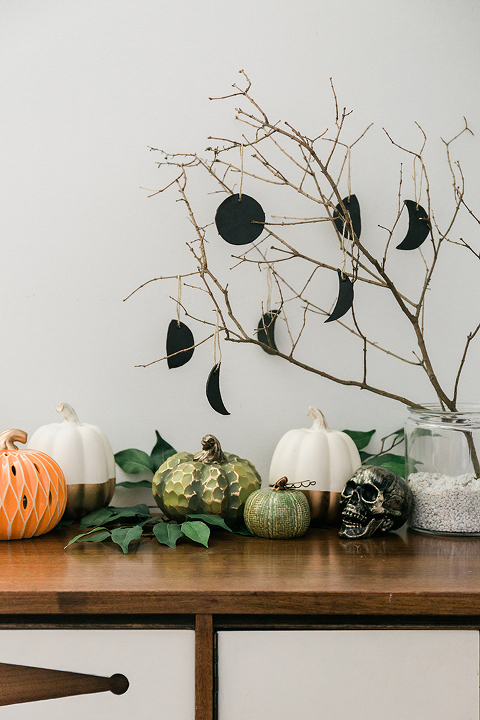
[[374, 500]]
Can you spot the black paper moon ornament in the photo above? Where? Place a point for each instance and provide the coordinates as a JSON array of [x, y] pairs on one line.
[[418, 226], [240, 219], [266, 330], [214, 395], [344, 299], [180, 344], [353, 206]]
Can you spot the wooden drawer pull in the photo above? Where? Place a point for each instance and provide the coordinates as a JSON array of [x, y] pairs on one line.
[[21, 684]]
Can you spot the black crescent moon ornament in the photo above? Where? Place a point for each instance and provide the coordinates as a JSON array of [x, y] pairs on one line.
[[418, 226], [180, 344], [240, 220], [344, 299], [214, 395], [353, 206], [266, 330]]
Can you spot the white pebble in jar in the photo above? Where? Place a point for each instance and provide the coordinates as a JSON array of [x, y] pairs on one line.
[[445, 504]]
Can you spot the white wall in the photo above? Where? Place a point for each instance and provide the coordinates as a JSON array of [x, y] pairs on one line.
[[87, 87]]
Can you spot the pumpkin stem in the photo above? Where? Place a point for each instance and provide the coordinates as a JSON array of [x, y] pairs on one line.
[[69, 414], [319, 422], [8, 438], [281, 484], [212, 452]]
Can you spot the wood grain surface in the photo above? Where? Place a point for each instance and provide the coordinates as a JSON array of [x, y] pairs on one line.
[[204, 668], [400, 573]]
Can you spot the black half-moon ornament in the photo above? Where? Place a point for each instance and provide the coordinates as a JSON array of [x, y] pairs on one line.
[[266, 330], [214, 395], [352, 205], [418, 226], [344, 299], [240, 220], [180, 344]]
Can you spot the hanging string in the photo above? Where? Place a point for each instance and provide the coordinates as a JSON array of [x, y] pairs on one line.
[[349, 172], [241, 173], [216, 343], [179, 298], [415, 180], [269, 288], [421, 183], [344, 250], [355, 264]]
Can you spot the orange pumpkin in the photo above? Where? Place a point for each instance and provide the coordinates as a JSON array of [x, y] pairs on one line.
[[33, 493]]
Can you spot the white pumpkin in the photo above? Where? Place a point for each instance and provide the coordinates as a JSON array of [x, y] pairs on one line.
[[327, 457], [85, 456]]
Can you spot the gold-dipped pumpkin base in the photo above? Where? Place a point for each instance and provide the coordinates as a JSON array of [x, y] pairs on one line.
[[83, 498], [324, 508]]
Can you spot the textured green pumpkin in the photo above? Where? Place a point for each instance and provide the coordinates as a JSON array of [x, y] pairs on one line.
[[277, 514], [210, 482]]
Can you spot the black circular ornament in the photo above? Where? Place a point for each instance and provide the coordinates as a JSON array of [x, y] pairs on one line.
[[240, 220]]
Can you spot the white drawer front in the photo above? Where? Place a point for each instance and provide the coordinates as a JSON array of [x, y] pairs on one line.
[[159, 665], [360, 674]]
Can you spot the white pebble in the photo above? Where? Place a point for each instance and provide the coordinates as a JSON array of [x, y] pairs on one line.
[[445, 504]]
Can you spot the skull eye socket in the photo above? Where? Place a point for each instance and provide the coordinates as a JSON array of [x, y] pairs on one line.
[[368, 492], [349, 488]]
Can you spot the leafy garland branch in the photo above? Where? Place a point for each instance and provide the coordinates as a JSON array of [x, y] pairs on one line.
[[127, 527]]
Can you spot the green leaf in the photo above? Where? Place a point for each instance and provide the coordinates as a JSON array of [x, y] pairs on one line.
[[99, 537], [110, 514], [397, 433], [360, 438], [136, 511], [78, 538], [386, 457], [140, 484], [140, 510], [364, 457], [168, 534], [123, 536], [242, 530], [134, 461], [210, 520], [63, 523], [197, 531], [97, 517], [422, 432], [161, 451], [395, 463], [397, 468]]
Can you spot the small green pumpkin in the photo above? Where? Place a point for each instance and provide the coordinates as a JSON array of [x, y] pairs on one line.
[[211, 482], [278, 513]]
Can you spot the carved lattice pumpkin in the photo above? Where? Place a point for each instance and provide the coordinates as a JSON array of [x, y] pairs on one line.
[[33, 492]]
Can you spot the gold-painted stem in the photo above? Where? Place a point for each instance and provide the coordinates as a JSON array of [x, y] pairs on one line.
[[8, 438], [212, 451]]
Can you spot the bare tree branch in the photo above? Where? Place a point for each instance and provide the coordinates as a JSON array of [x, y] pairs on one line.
[[288, 157]]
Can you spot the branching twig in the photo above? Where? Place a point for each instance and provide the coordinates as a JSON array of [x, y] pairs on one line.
[[291, 159]]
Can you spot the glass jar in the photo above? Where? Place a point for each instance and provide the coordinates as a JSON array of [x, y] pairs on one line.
[[442, 454]]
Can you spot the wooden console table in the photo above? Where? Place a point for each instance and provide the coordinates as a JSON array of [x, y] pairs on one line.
[[401, 580]]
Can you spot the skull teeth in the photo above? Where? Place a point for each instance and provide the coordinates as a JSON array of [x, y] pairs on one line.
[[353, 517]]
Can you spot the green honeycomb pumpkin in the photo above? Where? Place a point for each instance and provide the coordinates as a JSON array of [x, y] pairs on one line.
[[210, 482]]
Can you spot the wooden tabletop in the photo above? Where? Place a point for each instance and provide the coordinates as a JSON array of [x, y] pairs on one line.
[[399, 573]]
